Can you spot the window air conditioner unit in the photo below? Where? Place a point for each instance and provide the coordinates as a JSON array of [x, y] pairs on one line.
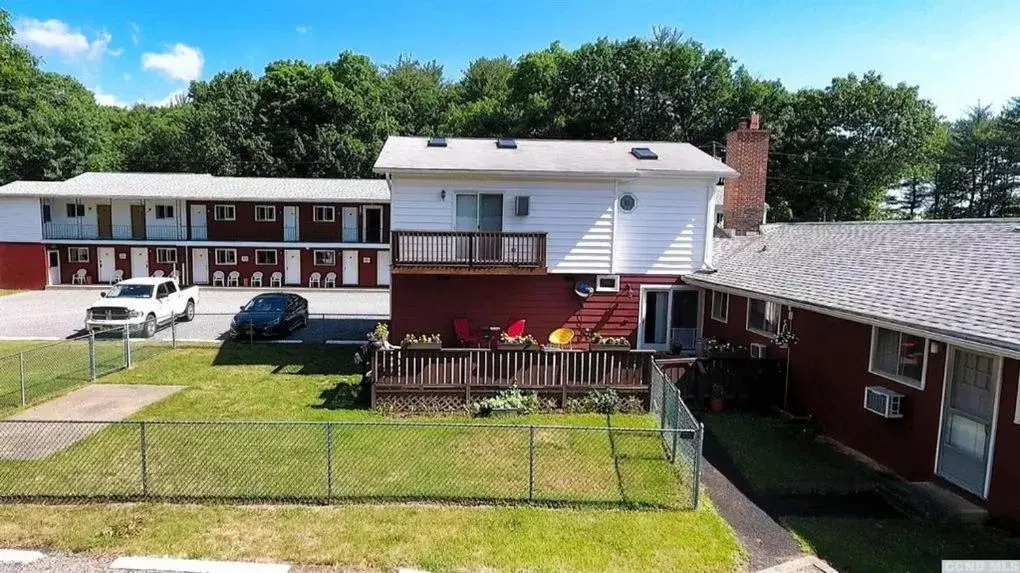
[[522, 205], [883, 401], [758, 350]]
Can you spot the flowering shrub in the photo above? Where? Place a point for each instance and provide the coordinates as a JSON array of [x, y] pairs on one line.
[[716, 346], [599, 338], [522, 339], [786, 338], [422, 339]]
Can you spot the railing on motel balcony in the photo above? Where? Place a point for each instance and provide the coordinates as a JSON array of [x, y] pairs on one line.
[[468, 249], [122, 232]]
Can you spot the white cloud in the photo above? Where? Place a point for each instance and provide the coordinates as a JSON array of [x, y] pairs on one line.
[[136, 33], [302, 29], [182, 62], [56, 36], [108, 99]]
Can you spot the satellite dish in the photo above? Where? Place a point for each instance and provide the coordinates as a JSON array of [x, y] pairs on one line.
[[583, 289]]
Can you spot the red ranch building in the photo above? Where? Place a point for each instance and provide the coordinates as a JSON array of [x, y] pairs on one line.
[[223, 231]]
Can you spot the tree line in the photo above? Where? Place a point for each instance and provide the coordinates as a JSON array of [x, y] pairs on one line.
[[858, 148]]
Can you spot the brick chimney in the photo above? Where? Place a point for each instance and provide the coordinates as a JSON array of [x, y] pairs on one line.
[[747, 151]]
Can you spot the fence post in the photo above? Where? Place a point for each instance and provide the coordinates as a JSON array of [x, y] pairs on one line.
[[127, 347], [531, 464], [145, 459], [700, 442], [173, 330], [329, 462], [662, 404], [92, 356], [21, 375]]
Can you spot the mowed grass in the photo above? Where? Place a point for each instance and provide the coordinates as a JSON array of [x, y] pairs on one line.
[[450, 458], [384, 537], [6, 292]]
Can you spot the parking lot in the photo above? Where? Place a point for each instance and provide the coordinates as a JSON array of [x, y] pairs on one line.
[[60, 313]]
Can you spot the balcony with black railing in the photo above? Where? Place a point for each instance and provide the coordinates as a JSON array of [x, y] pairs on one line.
[[468, 252]]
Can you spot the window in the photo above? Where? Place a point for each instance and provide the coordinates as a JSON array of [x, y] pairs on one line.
[[324, 258], [226, 256], [224, 213], [898, 356], [163, 290], [643, 153], [720, 306], [265, 213], [265, 256], [78, 254], [164, 255], [46, 216], [323, 214], [607, 283], [763, 317], [75, 210], [627, 202], [164, 211]]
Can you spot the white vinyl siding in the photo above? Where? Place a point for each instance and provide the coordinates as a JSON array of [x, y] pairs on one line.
[[665, 232], [21, 219]]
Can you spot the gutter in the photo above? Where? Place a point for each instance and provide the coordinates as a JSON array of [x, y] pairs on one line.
[[988, 346]]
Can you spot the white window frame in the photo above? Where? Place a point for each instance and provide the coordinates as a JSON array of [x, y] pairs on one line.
[[614, 288], [724, 316], [216, 257], [77, 258], [161, 255], [276, 257], [315, 258], [327, 209], [769, 306], [216, 212], [165, 214], [268, 213], [906, 381], [79, 210]]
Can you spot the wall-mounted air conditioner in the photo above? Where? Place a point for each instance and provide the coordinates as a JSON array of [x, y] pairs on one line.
[[759, 350], [883, 401]]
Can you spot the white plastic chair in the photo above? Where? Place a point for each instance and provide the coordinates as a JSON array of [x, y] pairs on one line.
[[118, 275], [175, 274], [233, 279], [256, 279], [78, 278], [315, 280], [158, 274], [330, 281], [276, 280], [218, 278]]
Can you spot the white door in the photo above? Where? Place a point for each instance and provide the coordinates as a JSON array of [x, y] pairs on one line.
[[200, 266], [290, 223], [383, 268], [54, 263], [350, 225], [139, 262], [292, 267], [199, 228], [350, 268], [107, 264]]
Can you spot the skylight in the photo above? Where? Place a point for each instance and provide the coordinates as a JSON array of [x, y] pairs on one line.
[[643, 153], [506, 143], [437, 142]]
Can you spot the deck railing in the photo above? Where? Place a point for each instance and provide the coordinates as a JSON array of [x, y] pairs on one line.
[[468, 249], [471, 369]]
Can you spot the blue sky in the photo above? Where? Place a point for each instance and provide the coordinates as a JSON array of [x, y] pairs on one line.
[[958, 52]]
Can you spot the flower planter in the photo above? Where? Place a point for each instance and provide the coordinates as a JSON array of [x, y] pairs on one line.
[[609, 347], [423, 346], [509, 346]]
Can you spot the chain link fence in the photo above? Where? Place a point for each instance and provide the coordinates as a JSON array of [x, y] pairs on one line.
[[332, 462], [683, 435], [320, 328]]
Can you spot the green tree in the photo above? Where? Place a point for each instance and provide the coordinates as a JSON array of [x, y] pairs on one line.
[[417, 97], [224, 126]]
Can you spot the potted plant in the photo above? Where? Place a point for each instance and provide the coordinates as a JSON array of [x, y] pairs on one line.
[[786, 338], [522, 342], [422, 342], [600, 343], [717, 399]]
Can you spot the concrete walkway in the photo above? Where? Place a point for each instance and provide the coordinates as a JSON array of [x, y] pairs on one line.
[[90, 408]]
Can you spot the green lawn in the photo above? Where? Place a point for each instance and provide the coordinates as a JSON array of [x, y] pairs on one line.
[[780, 458], [5, 292]]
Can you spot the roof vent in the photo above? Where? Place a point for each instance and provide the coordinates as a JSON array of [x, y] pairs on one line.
[[506, 143], [436, 142], [643, 153]]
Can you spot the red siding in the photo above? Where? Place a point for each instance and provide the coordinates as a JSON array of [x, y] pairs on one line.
[[429, 303], [67, 268], [23, 266], [828, 374], [244, 227], [322, 232]]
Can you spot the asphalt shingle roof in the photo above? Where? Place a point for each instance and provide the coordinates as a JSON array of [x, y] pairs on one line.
[[956, 278], [547, 157], [202, 186]]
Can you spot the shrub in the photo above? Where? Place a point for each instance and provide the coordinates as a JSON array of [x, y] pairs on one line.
[[513, 399], [604, 401]]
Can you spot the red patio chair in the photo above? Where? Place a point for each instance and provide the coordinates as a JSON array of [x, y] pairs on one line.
[[516, 328], [462, 328]]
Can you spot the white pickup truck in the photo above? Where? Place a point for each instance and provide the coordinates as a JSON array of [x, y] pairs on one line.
[[142, 305]]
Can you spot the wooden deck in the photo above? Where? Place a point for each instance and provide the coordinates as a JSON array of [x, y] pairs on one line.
[[467, 252]]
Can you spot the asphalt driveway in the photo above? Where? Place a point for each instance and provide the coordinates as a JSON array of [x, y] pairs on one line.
[[60, 313]]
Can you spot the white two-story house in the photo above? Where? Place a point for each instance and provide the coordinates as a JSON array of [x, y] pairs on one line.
[[589, 235]]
